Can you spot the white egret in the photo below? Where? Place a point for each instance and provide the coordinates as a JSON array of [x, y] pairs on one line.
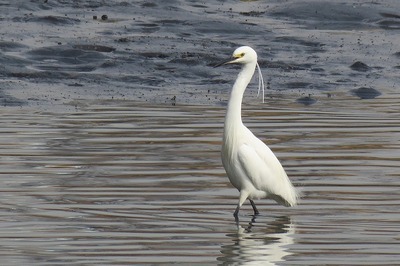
[[251, 166]]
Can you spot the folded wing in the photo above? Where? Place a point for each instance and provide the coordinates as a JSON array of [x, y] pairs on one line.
[[266, 173]]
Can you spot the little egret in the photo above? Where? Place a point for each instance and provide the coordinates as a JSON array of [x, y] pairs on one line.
[[250, 165]]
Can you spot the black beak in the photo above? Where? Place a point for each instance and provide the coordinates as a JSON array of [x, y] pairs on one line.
[[231, 60]]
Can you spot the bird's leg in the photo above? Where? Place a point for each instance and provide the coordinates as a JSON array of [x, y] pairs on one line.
[[235, 214], [242, 198], [256, 212]]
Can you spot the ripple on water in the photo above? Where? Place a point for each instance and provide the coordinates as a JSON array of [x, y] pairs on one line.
[[121, 182]]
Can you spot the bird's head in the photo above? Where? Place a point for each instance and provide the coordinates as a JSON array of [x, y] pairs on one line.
[[246, 55], [241, 55]]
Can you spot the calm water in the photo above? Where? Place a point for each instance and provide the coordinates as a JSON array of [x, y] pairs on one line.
[[119, 182]]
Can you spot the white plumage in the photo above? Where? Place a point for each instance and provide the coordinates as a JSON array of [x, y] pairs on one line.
[[250, 165]]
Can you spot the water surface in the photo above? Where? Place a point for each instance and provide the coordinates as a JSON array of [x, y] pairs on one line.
[[120, 182]]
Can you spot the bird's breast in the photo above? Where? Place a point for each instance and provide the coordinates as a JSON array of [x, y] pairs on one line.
[[229, 155]]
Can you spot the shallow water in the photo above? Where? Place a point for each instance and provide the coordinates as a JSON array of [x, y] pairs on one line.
[[120, 182]]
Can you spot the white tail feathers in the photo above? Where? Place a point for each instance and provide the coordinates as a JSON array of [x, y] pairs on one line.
[[289, 199]]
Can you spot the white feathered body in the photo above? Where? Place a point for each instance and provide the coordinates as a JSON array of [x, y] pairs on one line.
[[254, 169]]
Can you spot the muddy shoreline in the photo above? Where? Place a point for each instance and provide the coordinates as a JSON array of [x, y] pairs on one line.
[[53, 53]]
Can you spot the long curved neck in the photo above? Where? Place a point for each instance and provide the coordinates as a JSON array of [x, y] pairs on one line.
[[233, 114]]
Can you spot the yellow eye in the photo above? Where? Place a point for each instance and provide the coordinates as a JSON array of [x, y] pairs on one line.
[[238, 55]]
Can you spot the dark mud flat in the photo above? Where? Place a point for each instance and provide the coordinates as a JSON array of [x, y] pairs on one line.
[[53, 52], [111, 123]]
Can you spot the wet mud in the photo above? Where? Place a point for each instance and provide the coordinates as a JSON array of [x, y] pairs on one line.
[[53, 52]]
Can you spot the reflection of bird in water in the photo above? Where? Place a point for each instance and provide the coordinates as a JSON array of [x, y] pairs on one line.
[[250, 165], [253, 247]]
